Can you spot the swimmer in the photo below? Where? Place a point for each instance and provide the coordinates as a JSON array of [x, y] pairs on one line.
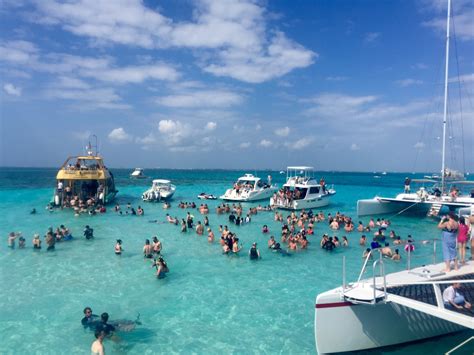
[[235, 246], [265, 229], [367, 253], [147, 250], [118, 247], [36, 241], [210, 235], [156, 245], [88, 233], [161, 267], [103, 326], [396, 256], [89, 319], [97, 347], [33, 211], [11, 239], [21, 242], [254, 253]]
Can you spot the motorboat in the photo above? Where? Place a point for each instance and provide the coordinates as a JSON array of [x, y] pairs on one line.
[[302, 190], [250, 188], [445, 196], [160, 190], [204, 196], [390, 309], [138, 173], [84, 180]]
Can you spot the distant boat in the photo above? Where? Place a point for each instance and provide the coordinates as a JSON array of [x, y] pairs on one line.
[[281, 172], [249, 188], [384, 173], [138, 173], [376, 177]]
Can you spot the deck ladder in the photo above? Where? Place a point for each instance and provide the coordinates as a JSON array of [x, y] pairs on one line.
[[434, 210]]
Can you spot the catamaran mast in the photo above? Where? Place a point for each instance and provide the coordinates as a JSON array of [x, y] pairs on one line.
[[443, 167]]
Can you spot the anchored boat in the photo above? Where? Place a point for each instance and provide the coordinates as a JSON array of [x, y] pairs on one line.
[[302, 191], [160, 190], [390, 309], [249, 188], [84, 180]]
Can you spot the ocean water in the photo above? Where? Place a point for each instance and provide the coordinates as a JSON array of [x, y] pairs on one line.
[[209, 302]]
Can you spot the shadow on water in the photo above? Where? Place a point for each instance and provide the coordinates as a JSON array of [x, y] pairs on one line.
[[128, 340]]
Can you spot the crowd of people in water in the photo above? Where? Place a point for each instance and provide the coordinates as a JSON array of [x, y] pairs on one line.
[[297, 231]]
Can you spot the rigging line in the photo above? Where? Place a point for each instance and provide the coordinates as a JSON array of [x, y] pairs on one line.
[[460, 100]]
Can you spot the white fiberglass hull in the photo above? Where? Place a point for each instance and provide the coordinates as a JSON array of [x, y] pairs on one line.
[[154, 196], [308, 203], [364, 326], [232, 195]]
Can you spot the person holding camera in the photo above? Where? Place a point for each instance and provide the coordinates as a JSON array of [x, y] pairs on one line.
[[449, 227]]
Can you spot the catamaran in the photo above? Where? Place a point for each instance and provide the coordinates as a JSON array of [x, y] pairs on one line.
[[451, 191]]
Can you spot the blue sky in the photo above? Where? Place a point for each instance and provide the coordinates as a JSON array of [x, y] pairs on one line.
[[340, 85]]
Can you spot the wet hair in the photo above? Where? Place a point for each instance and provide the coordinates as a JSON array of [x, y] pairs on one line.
[[147, 241], [98, 332], [87, 309], [104, 317]]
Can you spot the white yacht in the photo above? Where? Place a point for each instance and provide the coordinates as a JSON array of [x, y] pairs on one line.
[[159, 191], [249, 188], [138, 173], [430, 202], [390, 309], [302, 191]]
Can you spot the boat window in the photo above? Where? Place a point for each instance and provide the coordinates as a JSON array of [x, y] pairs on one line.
[[314, 190], [300, 193]]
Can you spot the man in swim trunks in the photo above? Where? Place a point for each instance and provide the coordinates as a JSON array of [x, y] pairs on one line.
[[97, 348]]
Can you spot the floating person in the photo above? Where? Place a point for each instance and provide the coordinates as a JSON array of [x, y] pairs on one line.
[[254, 253], [265, 229], [90, 320], [88, 233], [97, 347], [118, 247], [33, 211]]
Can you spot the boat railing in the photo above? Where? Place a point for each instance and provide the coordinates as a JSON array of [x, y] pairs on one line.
[[382, 272], [410, 254]]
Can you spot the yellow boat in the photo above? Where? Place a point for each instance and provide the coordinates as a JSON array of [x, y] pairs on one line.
[[84, 181]]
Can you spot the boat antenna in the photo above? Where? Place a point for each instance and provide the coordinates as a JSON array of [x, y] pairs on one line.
[[445, 111], [90, 147]]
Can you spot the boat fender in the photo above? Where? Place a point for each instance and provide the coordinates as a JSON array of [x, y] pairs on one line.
[[56, 200], [101, 196]]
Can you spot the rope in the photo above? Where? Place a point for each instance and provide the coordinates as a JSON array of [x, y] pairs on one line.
[[405, 209]]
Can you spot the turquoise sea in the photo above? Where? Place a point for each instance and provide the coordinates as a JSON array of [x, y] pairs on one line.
[[209, 303]]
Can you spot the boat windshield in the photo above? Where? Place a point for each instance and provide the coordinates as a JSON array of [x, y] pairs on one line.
[[78, 163]]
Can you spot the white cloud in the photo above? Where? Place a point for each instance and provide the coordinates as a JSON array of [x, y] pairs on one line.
[[300, 143], [354, 147], [371, 37], [232, 36], [266, 143], [72, 83], [18, 52], [420, 66], [245, 145], [134, 74], [11, 89], [105, 98], [408, 82], [462, 19], [211, 126], [419, 145], [119, 135], [203, 98], [175, 131], [282, 132]]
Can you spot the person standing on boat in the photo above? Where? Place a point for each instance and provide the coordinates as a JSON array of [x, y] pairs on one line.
[[407, 185], [323, 184], [449, 228], [463, 230]]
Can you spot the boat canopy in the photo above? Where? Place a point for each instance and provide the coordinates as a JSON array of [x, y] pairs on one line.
[[161, 182], [299, 168], [248, 177]]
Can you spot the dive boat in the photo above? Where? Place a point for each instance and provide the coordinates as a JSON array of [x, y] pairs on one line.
[[160, 190], [249, 188], [302, 191], [440, 197], [391, 309], [138, 173], [86, 179]]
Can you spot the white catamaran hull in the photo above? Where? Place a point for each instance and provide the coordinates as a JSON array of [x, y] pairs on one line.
[[343, 326]]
